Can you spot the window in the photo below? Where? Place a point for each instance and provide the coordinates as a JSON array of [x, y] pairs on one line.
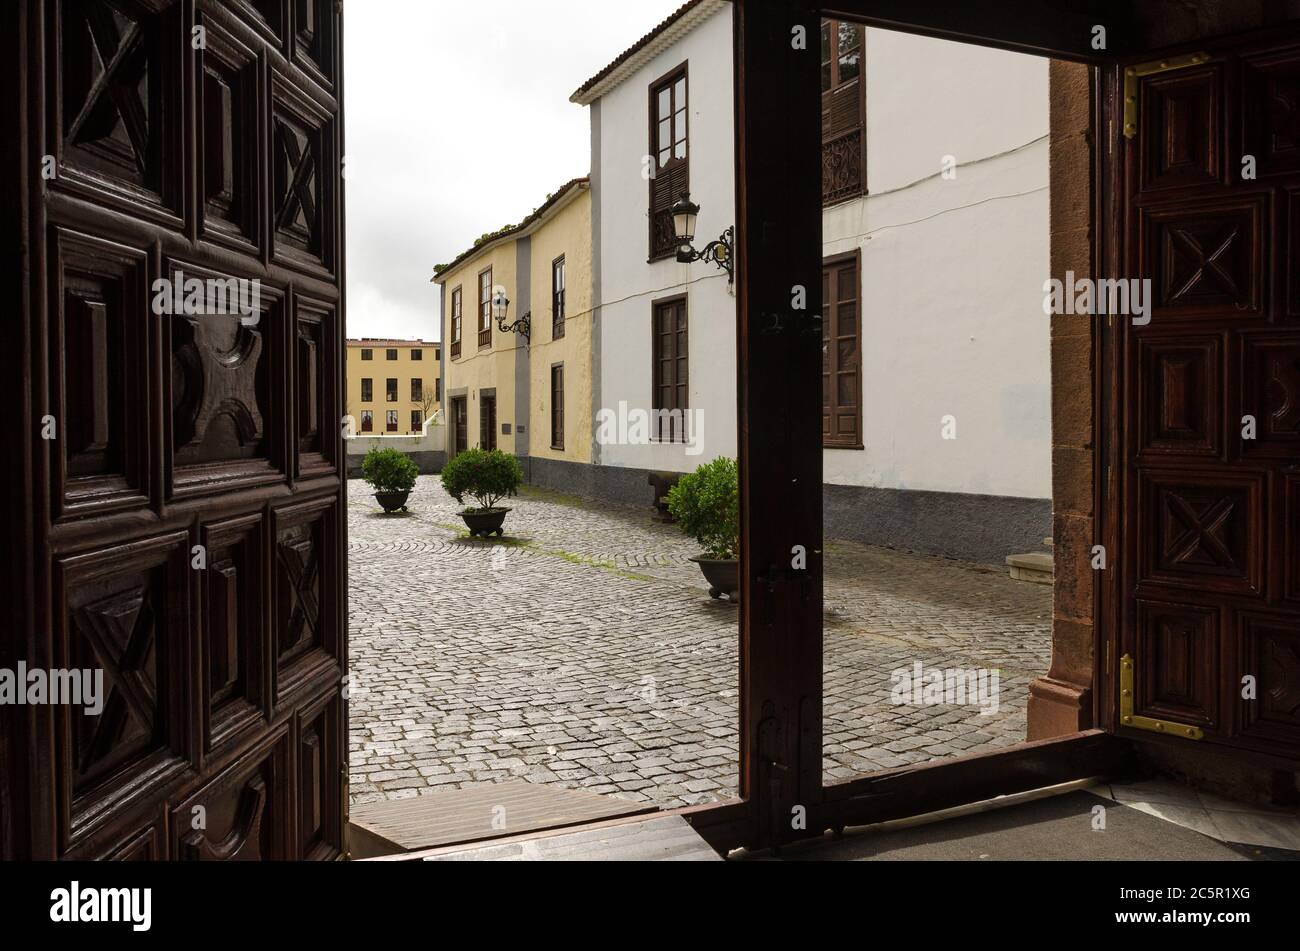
[[485, 308], [437, 390], [557, 298], [487, 421], [417, 354], [417, 390], [670, 369], [844, 153], [367, 354], [557, 407], [392, 355], [669, 145], [367, 391], [417, 420], [457, 300], [392, 420], [842, 354], [367, 421], [391, 387]]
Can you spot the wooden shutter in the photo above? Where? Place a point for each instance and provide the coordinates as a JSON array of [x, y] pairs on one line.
[[841, 355], [557, 407], [670, 149], [487, 423], [844, 167], [672, 363]]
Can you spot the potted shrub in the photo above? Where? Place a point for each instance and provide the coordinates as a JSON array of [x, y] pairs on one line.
[[487, 478], [392, 475], [706, 504]]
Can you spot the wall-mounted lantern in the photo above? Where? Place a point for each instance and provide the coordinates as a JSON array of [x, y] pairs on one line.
[[721, 252]]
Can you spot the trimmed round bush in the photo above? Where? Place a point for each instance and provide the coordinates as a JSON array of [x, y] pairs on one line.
[[706, 504], [486, 477], [387, 470]]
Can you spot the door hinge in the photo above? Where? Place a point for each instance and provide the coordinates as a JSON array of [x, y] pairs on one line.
[[1133, 74], [1127, 679]]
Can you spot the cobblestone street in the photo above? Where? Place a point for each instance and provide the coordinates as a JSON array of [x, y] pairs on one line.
[[583, 650]]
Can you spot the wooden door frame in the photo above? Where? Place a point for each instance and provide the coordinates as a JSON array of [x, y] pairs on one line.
[[779, 222]]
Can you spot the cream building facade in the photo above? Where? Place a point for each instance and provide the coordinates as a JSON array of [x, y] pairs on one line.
[[394, 387], [525, 394]]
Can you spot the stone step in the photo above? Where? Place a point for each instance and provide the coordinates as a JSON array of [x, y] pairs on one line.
[[1036, 568]]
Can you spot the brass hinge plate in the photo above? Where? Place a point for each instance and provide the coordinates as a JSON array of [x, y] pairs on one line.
[[1127, 679], [1133, 74]]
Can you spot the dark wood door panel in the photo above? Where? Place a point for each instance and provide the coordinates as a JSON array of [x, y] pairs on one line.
[[1183, 122], [1270, 653], [190, 544], [1210, 402], [243, 814], [1206, 258], [123, 610], [1178, 679]]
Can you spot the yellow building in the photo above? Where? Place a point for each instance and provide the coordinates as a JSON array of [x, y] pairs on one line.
[[394, 386], [529, 395]]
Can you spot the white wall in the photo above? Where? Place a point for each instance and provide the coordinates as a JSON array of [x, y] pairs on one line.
[[953, 271], [629, 285]]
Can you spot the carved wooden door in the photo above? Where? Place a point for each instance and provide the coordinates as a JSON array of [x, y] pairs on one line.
[[1210, 645], [189, 524]]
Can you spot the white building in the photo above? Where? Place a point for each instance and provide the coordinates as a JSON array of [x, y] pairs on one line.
[[936, 261]]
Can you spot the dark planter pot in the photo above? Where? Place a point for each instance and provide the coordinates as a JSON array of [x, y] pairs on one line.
[[723, 577], [486, 524], [392, 501]]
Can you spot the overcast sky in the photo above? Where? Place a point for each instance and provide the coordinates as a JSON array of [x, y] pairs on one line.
[[458, 123]]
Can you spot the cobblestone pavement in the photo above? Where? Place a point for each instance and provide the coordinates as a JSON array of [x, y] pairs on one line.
[[583, 650]]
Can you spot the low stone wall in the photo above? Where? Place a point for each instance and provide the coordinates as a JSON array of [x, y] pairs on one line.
[[429, 451]]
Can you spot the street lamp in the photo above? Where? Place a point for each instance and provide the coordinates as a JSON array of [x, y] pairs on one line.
[[721, 252], [501, 308]]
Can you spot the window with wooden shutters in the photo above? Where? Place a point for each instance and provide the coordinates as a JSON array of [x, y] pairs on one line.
[[841, 354], [557, 298], [487, 422], [671, 369], [485, 308], [457, 305], [557, 407], [844, 151], [670, 148]]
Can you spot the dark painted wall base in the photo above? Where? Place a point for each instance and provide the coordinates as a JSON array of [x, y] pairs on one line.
[[984, 528], [980, 528], [599, 483]]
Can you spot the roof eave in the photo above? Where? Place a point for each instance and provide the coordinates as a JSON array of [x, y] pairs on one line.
[[646, 49]]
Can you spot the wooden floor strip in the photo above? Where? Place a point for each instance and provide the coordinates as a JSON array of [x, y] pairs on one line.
[[478, 814]]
